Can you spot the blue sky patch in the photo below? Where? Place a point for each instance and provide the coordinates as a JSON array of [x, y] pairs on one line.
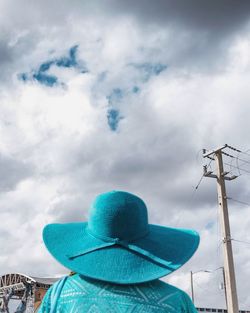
[[69, 61], [23, 76], [115, 96], [44, 79], [42, 76], [45, 66], [149, 70], [102, 76], [209, 225], [135, 89], [113, 116]]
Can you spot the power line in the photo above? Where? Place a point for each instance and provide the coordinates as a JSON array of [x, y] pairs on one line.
[[241, 241], [232, 156], [199, 182], [199, 286], [238, 168], [230, 164], [237, 163], [202, 176], [245, 161], [235, 200], [237, 159], [244, 152], [232, 148], [197, 154]]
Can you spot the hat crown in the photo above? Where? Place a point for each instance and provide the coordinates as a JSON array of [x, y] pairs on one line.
[[118, 214]]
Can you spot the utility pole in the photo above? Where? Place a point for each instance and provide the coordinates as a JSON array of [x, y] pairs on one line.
[[192, 285], [192, 281], [221, 176], [224, 283]]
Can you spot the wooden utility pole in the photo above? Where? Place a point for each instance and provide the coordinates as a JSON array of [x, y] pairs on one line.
[[221, 176]]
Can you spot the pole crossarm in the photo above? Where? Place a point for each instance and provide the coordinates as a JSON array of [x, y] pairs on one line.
[[210, 174], [209, 153]]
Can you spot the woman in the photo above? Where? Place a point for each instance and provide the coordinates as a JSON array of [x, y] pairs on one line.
[[118, 259]]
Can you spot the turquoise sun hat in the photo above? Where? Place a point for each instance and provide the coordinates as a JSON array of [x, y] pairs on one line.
[[117, 244]]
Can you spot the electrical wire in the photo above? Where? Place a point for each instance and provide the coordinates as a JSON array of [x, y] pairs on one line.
[[240, 169], [237, 157], [198, 155], [239, 201], [244, 152], [232, 148], [241, 241], [202, 288], [237, 162], [245, 161], [210, 166], [231, 169], [200, 180], [233, 157]]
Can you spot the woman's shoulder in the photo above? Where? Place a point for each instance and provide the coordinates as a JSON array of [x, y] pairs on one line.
[[162, 286], [170, 294], [79, 282], [79, 290], [155, 289]]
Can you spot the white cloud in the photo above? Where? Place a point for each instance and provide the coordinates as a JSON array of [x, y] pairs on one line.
[[62, 135]]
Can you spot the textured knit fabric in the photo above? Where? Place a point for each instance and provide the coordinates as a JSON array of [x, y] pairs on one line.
[[81, 295]]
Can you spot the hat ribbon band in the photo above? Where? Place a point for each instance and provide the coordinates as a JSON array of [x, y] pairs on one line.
[[129, 246]]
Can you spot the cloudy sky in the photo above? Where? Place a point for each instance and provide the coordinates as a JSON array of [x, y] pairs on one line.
[[103, 95]]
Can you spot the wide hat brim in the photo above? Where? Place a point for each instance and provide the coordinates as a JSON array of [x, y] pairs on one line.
[[159, 253]]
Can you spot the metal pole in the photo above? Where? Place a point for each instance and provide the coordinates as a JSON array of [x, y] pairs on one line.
[[192, 286], [231, 292]]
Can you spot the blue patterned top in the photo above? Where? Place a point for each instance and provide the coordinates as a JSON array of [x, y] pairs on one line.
[[82, 295]]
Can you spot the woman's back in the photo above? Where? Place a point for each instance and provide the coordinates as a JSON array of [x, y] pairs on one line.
[[87, 295]]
